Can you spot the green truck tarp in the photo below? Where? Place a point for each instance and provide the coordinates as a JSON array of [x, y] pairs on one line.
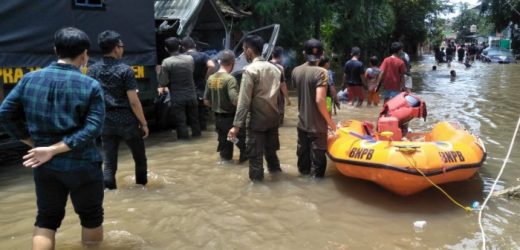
[[27, 29]]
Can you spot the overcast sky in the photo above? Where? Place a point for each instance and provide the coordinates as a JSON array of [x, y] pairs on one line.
[[471, 2], [456, 9]]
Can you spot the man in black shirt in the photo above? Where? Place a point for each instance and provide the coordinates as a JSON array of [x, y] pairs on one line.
[[461, 51], [472, 52], [450, 52], [354, 77], [124, 118], [176, 75], [204, 67]]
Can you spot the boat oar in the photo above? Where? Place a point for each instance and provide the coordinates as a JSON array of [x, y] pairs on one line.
[[362, 137]]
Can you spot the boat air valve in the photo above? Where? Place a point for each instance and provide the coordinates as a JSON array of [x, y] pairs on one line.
[[388, 136]]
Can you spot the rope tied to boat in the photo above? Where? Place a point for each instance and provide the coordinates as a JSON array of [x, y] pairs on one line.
[[413, 164]]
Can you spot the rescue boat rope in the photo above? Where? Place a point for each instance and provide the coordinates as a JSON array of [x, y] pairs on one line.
[[414, 165], [506, 159]]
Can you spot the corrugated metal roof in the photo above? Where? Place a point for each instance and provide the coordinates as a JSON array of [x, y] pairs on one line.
[[186, 12], [176, 9], [182, 10]]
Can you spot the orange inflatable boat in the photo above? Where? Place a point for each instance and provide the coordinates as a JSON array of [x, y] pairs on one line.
[[448, 153]]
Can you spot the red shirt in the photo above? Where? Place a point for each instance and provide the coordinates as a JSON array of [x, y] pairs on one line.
[[393, 68]]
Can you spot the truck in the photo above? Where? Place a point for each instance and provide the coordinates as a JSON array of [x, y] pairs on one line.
[[27, 39], [28, 28], [212, 23]]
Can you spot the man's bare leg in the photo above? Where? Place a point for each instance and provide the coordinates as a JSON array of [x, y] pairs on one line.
[[92, 236], [43, 238]]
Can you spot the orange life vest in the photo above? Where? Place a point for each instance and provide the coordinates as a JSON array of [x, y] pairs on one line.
[[404, 107]]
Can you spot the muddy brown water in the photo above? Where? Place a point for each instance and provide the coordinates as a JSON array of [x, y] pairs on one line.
[[193, 202]]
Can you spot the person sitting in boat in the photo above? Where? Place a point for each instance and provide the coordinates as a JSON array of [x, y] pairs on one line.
[[398, 112]]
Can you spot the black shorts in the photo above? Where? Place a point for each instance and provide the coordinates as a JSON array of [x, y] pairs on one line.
[[85, 187]]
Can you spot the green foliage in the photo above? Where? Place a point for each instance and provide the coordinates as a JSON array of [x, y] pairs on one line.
[[412, 17], [370, 24], [362, 23], [436, 28], [295, 24], [502, 12], [468, 17]]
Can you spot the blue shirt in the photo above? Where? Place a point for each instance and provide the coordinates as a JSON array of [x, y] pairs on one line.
[[116, 78], [331, 77], [55, 104]]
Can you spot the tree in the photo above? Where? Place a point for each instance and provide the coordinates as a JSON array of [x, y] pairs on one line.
[[412, 17], [362, 23], [502, 12], [468, 17], [436, 28], [296, 23], [370, 24]]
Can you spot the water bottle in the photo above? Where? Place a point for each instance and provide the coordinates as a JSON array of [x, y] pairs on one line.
[[475, 206], [234, 140], [329, 104]]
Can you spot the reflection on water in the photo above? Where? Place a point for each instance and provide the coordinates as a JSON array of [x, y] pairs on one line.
[[193, 202]]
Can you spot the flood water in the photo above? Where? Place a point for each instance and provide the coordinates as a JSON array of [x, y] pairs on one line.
[[193, 202]]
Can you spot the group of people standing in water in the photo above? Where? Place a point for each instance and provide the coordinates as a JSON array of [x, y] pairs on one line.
[[61, 113], [465, 53], [393, 75]]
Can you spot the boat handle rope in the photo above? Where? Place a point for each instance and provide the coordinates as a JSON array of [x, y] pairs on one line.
[[414, 165], [506, 159], [469, 209]]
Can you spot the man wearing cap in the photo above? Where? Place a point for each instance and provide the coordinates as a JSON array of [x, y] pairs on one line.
[[311, 84], [258, 96]]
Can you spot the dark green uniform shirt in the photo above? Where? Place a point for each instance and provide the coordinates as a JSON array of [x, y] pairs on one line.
[[222, 92]]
